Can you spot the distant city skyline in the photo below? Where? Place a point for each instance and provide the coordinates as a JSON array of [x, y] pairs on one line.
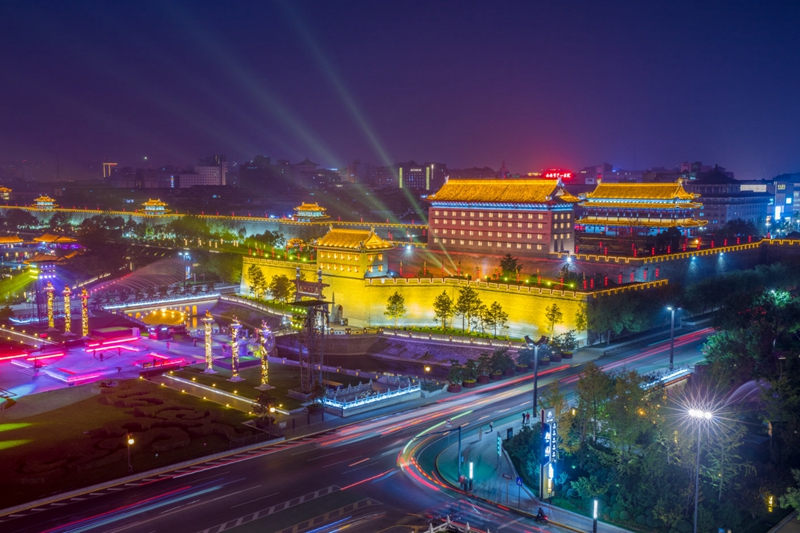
[[636, 84]]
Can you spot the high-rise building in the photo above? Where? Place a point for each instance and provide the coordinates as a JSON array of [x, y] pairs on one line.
[[108, 169]]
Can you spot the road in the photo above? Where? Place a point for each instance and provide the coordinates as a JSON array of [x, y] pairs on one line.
[[362, 477]]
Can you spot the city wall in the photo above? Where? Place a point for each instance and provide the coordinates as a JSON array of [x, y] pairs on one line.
[[364, 301], [252, 225]]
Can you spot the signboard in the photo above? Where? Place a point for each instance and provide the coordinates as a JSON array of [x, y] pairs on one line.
[[558, 174]]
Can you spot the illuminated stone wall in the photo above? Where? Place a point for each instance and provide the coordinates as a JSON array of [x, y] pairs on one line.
[[364, 301]]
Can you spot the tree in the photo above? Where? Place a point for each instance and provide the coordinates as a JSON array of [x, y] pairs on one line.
[[17, 219], [258, 283], [725, 467], [280, 287], [510, 266], [496, 318], [467, 305], [263, 406], [456, 373], [59, 221], [443, 308], [553, 315], [792, 497], [580, 320], [593, 389], [395, 307]]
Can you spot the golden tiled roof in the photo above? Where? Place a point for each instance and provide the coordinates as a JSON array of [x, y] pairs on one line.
[[643, 205], [649, 222], [44, 198], [10, 239], [154, 203], [353, 239], [310, 207], [511, 191], [648, 191], [49, 238], [4, 189]]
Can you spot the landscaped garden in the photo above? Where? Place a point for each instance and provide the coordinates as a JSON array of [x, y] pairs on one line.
[[85, 442]]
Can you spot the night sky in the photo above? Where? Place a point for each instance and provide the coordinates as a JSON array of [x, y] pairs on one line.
[[535, 84]]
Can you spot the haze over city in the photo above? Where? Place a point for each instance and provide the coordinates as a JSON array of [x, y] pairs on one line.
[[533, 84], [297, 266]]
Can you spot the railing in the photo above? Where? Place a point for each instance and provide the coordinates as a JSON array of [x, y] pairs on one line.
[[164, 301], [414, 387]]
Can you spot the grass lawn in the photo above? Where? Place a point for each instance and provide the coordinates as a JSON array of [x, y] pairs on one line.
[[282, 377], [84, 442]]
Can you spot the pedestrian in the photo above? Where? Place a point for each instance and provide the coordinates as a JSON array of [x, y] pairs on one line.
[[523, 419], [491, 427]]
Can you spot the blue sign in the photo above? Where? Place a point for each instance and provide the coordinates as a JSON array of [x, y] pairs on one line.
[[519, 481]]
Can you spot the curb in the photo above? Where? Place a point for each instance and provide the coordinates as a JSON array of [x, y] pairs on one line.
[[496, 504]]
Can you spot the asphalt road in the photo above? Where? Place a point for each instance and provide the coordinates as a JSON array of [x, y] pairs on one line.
[[363, 477]]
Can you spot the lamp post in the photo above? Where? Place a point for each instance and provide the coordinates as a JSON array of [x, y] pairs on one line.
[[672, 310], [699, 415], [535, 344], [594, 517], [130, 442]]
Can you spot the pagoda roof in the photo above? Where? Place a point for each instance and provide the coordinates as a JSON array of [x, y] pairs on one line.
[[642, 191], [305, 206], [353, 239], [49, 238], [502, 191], [154, 203], [647, 222], [43, 258], [643, 205], [10, 239], [4, 189], [44, 198]]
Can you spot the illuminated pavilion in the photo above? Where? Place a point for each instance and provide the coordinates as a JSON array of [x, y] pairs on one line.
[[353, 253], [5, 193], [154, 207], [639, 209], [524, 217], [307, 212], [44, 202]]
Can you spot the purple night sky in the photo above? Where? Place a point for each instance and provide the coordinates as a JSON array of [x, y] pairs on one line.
[[537, 84]]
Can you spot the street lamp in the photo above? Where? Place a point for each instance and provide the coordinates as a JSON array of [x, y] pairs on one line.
[[700, 416], [594, 517], [672, 310], [535, 344], [130, 443]]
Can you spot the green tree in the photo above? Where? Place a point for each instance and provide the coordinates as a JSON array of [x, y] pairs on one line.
[[791, 499], [395, 307], [443, 309], [510, 266], [553, 315], [258, 283], [467, 305], [455, 374], [594, 389], [580, 320], [725, 468], [498, 318], [59, 222], [280, 287]]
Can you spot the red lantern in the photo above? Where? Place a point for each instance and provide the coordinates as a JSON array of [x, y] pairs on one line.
[[605, 281]]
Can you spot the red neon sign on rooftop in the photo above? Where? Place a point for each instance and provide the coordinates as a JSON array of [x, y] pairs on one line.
[[557, 174]]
